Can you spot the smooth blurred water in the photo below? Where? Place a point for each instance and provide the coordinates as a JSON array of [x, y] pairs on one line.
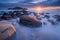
[[44, 32]]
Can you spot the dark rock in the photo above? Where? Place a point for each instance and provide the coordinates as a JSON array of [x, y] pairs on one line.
[[30, 21], [44, 23], [39, 18], [52, 22], [35, 14], [7, 17], [47, 13], [25, 12], [57, 17], [20, 13], [41, 13], [47, 16], [13, 15]]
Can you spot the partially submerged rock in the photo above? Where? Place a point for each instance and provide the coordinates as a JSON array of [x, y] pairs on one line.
[[57, 17], [52, 22], [30, 21], [47, 16], [47, 13], [6, 16], [41, 13], [6, 30]]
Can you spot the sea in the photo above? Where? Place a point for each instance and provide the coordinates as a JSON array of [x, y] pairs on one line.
[[47, 31]]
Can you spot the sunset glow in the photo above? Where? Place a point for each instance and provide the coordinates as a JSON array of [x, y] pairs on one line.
[[43, 8], [38, 9]]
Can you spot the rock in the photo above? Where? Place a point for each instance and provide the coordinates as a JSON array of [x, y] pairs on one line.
[[44, 23], [35, 14], [41, 13], [6, 16], [52, 22], [38, 18], [12, 15], [18, 14], [47, 13], [57, 17], [6, 30], [47, 16], [30, 21]]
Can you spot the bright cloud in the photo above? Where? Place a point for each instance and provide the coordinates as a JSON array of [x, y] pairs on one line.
[[38, 1]]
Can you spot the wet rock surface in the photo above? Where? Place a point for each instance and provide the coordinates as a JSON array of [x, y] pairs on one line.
[[30, 21], [7, 30], [57, 17]]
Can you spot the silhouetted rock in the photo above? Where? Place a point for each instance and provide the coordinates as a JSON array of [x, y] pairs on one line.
[[57, 17], [6, 16], [52, 22], [39, 18], [25, 12], [44, 23], [35, 14], [47, 13], [30, 21], [41, 13], [47, 16], [18, 10], [12, 15]]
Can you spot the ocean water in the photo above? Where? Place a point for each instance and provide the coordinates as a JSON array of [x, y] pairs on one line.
[[45, 32]]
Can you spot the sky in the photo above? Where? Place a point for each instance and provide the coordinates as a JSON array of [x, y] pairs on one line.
[[22, 1], [28, 3]]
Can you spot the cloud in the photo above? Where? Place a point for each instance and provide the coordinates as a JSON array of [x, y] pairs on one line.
[[9, 1], [50, 3], [21, 1], [28, 3], [15, 1], [38, 1]]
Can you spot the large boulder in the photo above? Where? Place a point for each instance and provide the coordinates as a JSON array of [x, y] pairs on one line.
[[6, 30], [30, 21]]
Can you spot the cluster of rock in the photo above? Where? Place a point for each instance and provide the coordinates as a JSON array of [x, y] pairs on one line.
[[25, 19], [23, 14], [53, 19], [13, 12]]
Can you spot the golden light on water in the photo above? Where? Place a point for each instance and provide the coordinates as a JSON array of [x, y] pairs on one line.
[[38, 9], [51, 8]]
